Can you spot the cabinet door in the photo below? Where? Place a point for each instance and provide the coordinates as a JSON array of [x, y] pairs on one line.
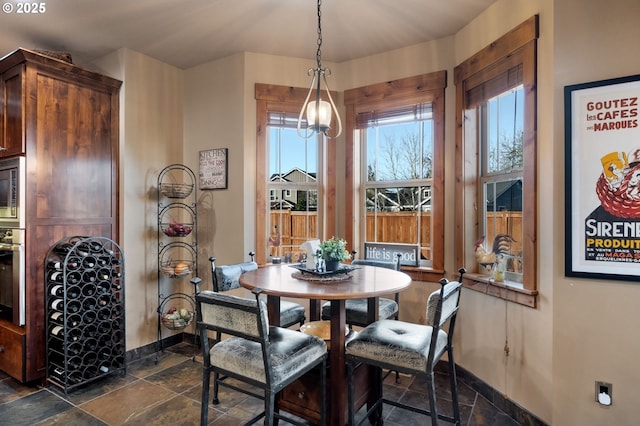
[[12, 125]]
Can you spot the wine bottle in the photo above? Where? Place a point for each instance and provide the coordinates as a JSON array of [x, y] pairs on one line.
[[90, 345], [73, 263], [89, 262], [55, 276], [89, 303], [104, 274], [104, 287], [57, 317], [72, 334], [74, 348], [74, 278], [89, 317], [89, 331], [59, 374], [89, 276], [72, 362], [74, 306], [73, 291], [88, 289], [63, 248], [57, 304], [55, 264], [104, 300], [57, 290], [96, 246], [91, 370], [104, 327], [104, 313]]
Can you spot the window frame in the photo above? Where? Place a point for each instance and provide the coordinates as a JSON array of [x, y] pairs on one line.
[[275, 98], [516, 48], [425, 88]]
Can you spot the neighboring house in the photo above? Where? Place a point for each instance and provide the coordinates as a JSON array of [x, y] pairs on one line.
[[508, 197], [286, 199], [388, 201]]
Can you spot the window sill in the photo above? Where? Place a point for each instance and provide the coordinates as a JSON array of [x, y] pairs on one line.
[[423, 274], [502, 290]]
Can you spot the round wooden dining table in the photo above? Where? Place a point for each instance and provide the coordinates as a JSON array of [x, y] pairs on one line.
[[368, 282]]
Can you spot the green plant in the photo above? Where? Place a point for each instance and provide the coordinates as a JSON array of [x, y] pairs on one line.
[[334, 249]]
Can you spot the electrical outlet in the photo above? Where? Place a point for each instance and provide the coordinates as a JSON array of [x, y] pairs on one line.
[[604, 393]]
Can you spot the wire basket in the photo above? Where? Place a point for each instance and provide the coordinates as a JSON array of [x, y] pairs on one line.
[[177, 323], [619, 202], [175, 229], [176, 268], [176, 190]]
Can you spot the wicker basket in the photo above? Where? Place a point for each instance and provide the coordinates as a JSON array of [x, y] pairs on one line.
[[618, 202], [176, 190], [177, 324]]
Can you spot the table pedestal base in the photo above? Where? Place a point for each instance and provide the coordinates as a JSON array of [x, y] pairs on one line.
[[302, 397]]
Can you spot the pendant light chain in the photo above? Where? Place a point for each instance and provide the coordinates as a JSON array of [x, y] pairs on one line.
[[319, 51]]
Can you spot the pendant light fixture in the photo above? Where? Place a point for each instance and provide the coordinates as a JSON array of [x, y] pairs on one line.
[[318, 110]]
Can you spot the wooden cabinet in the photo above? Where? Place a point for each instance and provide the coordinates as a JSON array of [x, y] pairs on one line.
[[64, 120], [12, 134]]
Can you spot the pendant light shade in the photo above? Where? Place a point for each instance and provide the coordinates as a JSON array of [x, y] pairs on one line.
[[315, 114]]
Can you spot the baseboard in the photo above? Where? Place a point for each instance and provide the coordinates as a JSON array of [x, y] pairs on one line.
[[151, 348], [508, 406]]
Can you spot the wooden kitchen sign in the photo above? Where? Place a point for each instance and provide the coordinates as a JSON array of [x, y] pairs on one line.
[[213, 168]]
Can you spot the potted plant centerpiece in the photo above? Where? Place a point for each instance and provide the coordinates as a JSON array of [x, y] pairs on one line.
[[333, 252]]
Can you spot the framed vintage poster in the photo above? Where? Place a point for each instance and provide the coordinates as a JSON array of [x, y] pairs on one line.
[[213, 168], [602, 179]]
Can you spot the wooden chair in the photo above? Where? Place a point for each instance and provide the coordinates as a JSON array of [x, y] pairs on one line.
[[357, 309], [410, 348], [227, 277], [266, 357]]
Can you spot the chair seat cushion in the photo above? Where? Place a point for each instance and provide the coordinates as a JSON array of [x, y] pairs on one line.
[[356, 310], [291, 313], [291, 351], [397, 343]]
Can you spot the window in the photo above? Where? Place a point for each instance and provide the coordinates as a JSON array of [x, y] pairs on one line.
[[293, 168], [496, 163], [501, 121], [397, 168], [394, 173], [292, 176]]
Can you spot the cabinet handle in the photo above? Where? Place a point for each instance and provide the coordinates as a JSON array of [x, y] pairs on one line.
[[1, 349]]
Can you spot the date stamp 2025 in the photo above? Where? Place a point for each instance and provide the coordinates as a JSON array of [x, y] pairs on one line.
[[24, 8]]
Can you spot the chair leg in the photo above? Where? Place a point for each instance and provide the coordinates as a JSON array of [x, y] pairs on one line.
[[351, 414], [269, 407], [432, 398], [204, 409], [454, 389], [216, 387], [323, 393]]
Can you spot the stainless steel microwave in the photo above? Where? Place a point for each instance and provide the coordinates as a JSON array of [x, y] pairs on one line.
[[12, 192]]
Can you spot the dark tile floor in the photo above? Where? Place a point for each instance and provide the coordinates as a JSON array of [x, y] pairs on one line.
[[168, 393]]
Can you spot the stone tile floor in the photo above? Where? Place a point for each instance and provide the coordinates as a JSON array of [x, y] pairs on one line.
[[169, 392]]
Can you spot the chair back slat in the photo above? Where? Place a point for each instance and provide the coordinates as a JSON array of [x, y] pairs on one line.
[[227, 277], [232, 315], [450, 294]]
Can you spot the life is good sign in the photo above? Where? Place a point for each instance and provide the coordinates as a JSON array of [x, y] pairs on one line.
[[387, 252]]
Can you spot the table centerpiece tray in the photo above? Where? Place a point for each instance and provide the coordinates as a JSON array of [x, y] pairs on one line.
[[303, 273]]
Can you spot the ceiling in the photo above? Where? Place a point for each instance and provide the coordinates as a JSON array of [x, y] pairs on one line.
[[186, 33]]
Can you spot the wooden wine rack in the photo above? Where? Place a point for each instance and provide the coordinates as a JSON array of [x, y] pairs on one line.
[[85, 321]]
